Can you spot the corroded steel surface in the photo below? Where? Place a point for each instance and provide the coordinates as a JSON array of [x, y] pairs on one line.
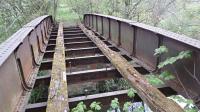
[[140, 41], [150, 95], [84, 63], [17, 38], [19, 56]]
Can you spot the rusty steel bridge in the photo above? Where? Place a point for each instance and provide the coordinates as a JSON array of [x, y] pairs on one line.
[[74, 56]]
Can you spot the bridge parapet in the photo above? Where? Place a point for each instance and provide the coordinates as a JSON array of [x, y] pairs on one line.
[[140, 41], [19, 57]]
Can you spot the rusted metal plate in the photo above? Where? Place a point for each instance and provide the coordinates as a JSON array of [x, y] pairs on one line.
[[99, 23], [36, 21], [148, 38], [127, 37], [86, 21], [95, 23], [187, 70], [168, 34], [146, 43], [7, 47], [114, 31], [90, 21], [106, 28], [154, 98], [33, 41], [10, 85], [16, 53], [25, 56]]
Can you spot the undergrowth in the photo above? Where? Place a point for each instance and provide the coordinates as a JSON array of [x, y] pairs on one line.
[[39, 93]]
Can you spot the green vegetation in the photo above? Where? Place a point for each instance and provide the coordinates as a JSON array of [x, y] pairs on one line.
[[114, 105], [188, 104], [39, 94], [160, 50], [131, 93], [154, 80], [43, 73], [113, 84], [172, 60], [167, 75], [81, 107], [15, 14], [95, 106], [126, 106], [181, 16], [64, 13]]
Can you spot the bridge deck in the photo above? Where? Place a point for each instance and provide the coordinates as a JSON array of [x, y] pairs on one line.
[[33, 51], [86, 63]]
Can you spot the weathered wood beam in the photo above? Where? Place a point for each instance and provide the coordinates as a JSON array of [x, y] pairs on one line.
[[58, 95], [149, 94]]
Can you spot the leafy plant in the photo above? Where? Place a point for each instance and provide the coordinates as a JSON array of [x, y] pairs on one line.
[[126, 106], [114, 103], [81, 107], [189, 104], [161, 50], [95, 106], [166, 75], [172, 60], [154, 80], [131, 92]]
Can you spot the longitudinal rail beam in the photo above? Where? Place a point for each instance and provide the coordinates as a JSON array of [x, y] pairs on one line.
[[149, 94], [58, 95]]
